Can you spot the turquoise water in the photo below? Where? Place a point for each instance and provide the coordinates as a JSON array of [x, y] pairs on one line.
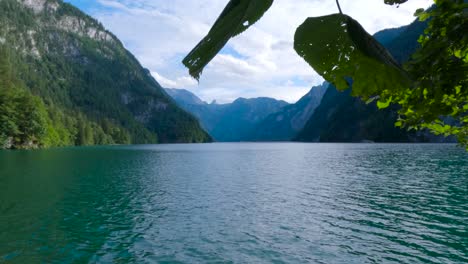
[[235, 203]]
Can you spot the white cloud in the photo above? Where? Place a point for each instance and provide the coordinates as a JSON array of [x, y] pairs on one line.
[[183, 82], [161, 32]]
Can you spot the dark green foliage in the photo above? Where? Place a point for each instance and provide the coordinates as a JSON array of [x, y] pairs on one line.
[[23, 119], [432, 93], [438, 100], [235, 19], [26, 122], [178, 128], [338, 48], [94, 91], [343, 118]]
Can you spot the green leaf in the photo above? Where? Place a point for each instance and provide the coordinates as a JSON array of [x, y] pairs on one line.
[[419, 11], [384, 104], [235, 19], [342, 52], [425, 93]]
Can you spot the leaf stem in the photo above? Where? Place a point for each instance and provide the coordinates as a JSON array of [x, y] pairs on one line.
[[339, 7]]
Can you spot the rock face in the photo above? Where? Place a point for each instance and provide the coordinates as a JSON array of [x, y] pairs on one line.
[[76, 66], [75, 22], [36, 5], [80, 27]]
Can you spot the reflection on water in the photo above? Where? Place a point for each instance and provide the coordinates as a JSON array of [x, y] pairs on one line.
[[322, 203]]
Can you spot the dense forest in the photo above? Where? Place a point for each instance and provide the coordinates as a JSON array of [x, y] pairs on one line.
[[67, 81], [27, 122]]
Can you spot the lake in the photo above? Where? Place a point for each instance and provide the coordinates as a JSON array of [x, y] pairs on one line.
[[235, 203]]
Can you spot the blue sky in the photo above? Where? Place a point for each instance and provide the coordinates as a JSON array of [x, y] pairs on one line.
[[85, 5], [260, 62]]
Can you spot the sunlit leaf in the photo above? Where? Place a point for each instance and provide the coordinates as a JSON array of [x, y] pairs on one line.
[[235, 19], [384, 104], [342, 52], [422, 14]]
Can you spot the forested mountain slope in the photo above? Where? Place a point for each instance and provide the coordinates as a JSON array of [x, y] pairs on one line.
[[92, 89]]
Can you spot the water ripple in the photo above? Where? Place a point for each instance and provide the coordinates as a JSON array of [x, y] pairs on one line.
[[236, 203]]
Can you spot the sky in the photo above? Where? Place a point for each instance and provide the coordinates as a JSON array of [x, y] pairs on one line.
[[259, 63]]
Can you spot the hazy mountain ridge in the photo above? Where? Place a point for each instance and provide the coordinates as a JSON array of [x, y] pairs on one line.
[[286, 123], [184, 97], [231, 122]]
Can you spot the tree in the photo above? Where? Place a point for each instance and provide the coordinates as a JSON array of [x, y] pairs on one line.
[[438, 98], [5, 68], [431, 90], [8, 126], [23, 119], [31, 119]]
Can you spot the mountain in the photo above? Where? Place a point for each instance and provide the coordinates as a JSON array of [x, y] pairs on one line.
[[93, 91], [228, 122], [184, 97], [343, 118], [240, 118], [286, 123], [387, 36]]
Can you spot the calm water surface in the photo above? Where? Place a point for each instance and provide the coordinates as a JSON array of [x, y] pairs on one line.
[[235, 203]]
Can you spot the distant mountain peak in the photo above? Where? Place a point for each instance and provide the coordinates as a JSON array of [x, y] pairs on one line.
[[284, 124], [228, 122], [257, 100], [184, 96]]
